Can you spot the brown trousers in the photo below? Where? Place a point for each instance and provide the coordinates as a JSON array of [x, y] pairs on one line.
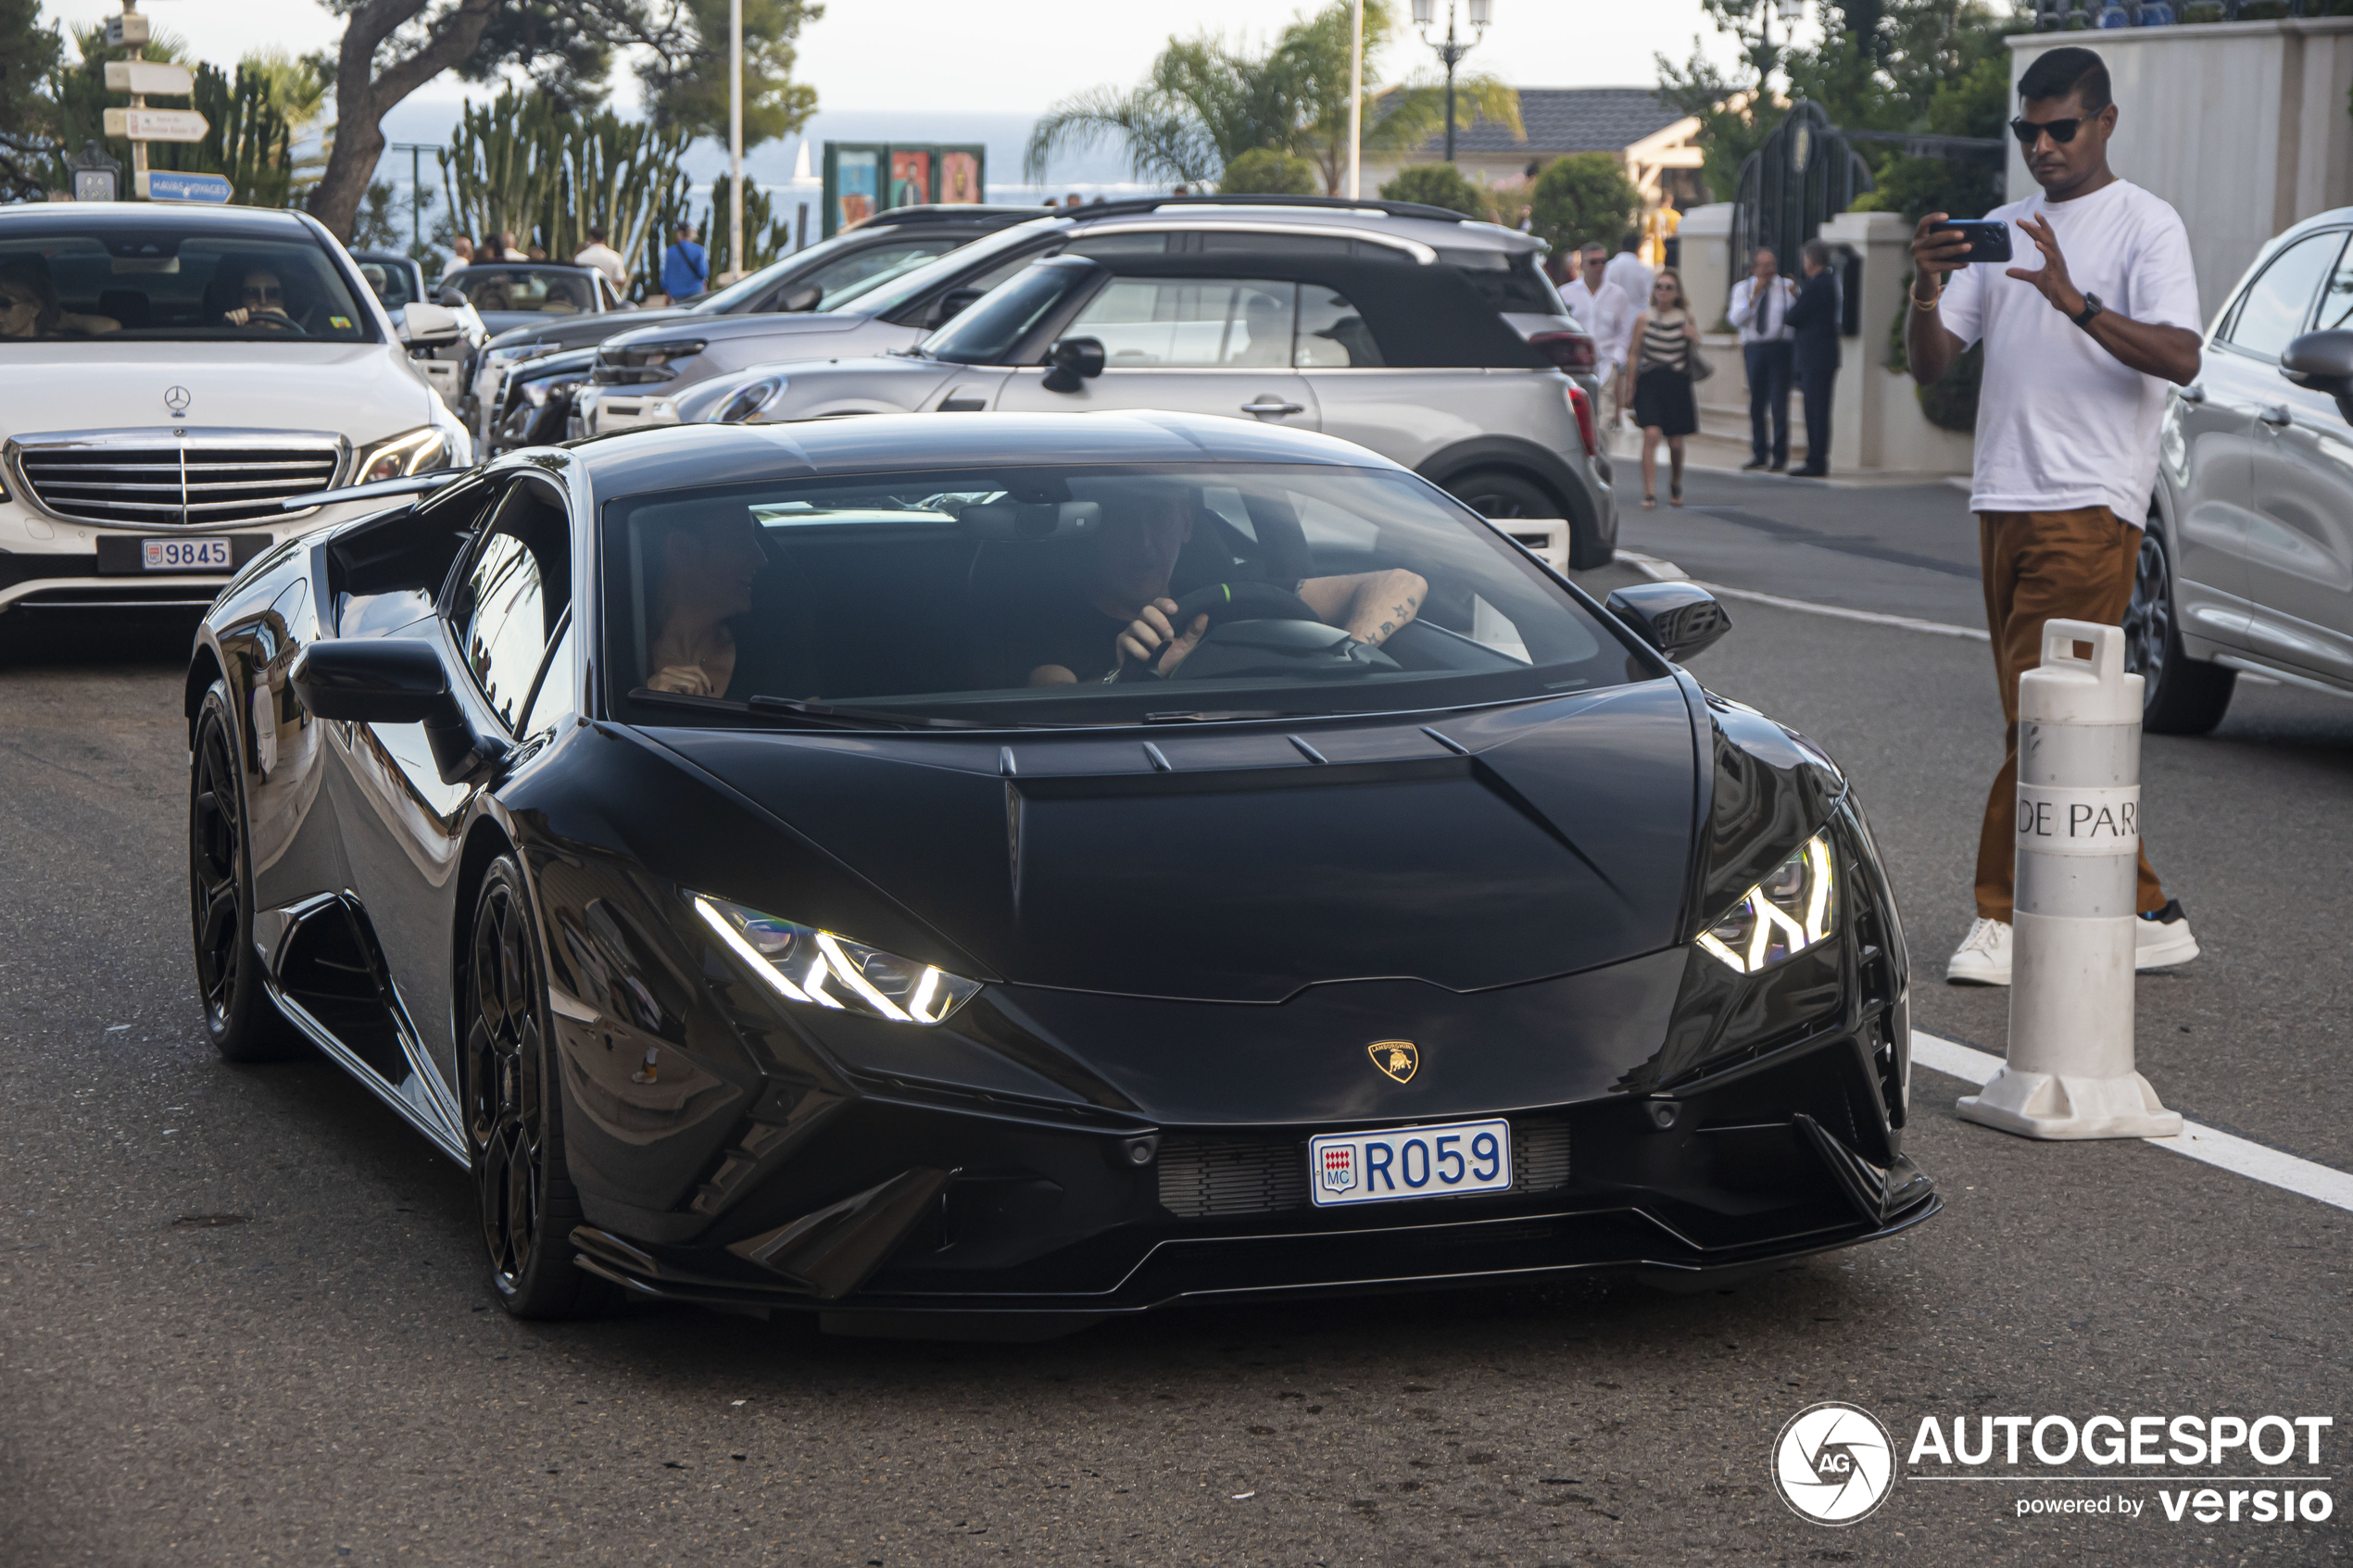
[[2042, 566]]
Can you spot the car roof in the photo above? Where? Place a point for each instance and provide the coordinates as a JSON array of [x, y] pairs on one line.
[[946, 212], [677, 457], [519, 267], [150, 215], [1431, 226]]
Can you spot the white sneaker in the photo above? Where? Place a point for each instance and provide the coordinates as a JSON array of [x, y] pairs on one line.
[[1983, 957], [2161, 938]]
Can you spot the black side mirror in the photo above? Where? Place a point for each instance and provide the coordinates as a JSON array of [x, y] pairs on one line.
[[803, 298], [449, 295], [1074, 359], [2322, 362], [394, 681], [1677, 619], [952, 304]]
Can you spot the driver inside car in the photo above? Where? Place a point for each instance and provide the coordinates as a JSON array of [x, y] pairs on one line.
[[261, 302], [1124, 616], [700, 580]]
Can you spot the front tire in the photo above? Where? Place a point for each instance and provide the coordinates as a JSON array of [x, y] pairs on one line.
[[2182, 696], [242, 1022], [514, 1110]]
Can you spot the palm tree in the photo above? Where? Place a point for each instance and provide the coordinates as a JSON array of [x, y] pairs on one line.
[[1206, 102]]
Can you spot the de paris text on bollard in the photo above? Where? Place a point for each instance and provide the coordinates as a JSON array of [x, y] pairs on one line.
[[2070, 1072]]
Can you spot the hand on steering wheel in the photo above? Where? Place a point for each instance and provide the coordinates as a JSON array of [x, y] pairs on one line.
[[1153, 636]]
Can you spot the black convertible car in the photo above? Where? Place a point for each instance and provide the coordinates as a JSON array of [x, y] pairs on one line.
[[980, 875]]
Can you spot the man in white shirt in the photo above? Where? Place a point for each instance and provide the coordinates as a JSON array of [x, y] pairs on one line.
[[1627, 270], [605, 259], [1760, 309], [1603, 309], [2078, 353]]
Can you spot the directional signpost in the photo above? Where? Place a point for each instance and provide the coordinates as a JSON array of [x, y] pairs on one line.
[[157, 125], [139, 125], [163, 185]]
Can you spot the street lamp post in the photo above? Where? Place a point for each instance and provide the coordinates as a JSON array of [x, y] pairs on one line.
[[1452, 52], [736, 137], [1356, 101], [416, 151]]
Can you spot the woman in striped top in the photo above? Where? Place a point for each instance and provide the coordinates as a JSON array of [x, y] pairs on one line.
[[1659, 382]]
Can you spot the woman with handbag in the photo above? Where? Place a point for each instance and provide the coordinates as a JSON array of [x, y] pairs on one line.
[[1657, 383]]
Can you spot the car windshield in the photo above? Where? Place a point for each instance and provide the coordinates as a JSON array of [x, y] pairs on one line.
[[990, 327], [66, 281], [881, 295], [548, 290], [998, 597]]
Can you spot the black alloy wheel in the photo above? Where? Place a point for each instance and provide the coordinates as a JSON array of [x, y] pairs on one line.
[[1492, 493], [244, 1024], [2181, 696], [514, 1115]]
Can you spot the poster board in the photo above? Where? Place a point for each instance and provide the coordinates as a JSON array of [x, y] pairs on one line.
[[864, 177]]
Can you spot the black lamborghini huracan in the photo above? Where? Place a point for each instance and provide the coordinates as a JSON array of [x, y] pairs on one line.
[[977, 875]]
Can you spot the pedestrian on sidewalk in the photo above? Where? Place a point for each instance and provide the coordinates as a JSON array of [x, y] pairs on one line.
[[685, 265], [1629, 272], [1658, 383], [2078, 352], [1760, 309], [1607, 313], [605, 259], [1813, 324]]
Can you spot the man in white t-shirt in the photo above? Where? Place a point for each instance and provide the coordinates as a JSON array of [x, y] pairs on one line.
[[605, 259], [1629, 272], [2078, 353], [1603, 309]]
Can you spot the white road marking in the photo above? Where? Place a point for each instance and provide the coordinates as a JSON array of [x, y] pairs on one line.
[[2324, 1184], [1667, 571]]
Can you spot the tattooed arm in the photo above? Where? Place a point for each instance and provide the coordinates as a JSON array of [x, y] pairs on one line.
[[1370, 605]]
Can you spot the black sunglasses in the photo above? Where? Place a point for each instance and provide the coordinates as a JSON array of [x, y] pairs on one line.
[[2062, 131]]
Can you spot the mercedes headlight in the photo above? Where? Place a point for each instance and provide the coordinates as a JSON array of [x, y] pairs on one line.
[[537, 393], [751, 398], [801, 963], [417, 451], [510, 353], [1782, 916]]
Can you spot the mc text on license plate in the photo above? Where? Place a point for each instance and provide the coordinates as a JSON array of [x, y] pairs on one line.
[[1409, 1163], [183, 555]]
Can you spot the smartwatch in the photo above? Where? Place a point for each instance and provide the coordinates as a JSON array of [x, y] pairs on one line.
[[2091, 306]]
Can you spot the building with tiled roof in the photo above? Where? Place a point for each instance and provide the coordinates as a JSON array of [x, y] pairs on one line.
[[1654, 139]]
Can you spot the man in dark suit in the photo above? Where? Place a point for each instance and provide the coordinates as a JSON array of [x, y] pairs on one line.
[[1814, 319]]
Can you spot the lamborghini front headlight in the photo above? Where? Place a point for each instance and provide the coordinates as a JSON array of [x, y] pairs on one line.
[[801, 963], [1782, 916]]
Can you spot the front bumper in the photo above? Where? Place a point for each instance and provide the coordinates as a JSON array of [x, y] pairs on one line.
[[1005, 1215]]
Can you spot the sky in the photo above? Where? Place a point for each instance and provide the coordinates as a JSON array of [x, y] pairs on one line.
[[911, 68]]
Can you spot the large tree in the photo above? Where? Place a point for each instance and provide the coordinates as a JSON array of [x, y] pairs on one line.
[[390, 48], [28, 52]]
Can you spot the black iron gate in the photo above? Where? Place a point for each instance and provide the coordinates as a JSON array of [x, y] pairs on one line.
[[1804, 175]]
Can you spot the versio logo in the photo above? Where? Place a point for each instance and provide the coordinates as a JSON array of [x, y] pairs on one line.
[[1834, 1463]]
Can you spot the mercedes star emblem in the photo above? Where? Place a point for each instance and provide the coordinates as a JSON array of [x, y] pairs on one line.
[[176, 399]]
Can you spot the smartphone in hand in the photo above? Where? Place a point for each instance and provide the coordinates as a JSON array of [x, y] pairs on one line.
[[1989, 238]]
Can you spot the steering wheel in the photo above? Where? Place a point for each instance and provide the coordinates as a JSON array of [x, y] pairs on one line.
[[1222, 602], [274, 322]]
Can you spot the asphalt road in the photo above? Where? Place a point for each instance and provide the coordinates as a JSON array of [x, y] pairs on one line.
[[246, 1322]]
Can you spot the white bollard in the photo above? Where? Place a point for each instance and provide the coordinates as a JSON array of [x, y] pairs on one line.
[[2070, 1072]]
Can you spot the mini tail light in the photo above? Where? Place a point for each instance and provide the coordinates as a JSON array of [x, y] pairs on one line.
[[1582, 407], [1568, 351]]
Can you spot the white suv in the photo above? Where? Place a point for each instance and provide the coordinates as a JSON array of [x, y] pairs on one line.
[[169, 376]]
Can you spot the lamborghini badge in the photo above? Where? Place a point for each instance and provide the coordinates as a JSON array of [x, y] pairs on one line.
[[1396, 1057]]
